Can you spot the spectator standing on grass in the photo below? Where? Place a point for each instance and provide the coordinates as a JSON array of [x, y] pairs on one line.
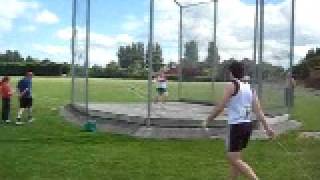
[[25, 97], [6, 94], [240, 99], [289, 90]]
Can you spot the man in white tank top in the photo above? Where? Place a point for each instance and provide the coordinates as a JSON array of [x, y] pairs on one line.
[[240, 100]]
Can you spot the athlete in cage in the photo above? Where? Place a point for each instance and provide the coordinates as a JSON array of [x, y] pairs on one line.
[[162, 87]]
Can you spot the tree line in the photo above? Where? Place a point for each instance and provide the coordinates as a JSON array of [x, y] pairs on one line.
[[132, 62], [13, 64], [308, 69]]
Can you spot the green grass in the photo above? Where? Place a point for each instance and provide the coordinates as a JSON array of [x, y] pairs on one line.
[[51, 148]]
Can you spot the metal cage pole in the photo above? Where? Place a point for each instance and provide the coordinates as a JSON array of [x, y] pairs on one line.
[[261, 49], [292, 44], [215, 49], [150, 63], [255, 44], [74, 9], [180, 43], [180, 54], [87, 57]]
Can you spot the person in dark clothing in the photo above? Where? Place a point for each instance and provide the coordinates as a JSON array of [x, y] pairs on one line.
[[6, 94], [24, 88]]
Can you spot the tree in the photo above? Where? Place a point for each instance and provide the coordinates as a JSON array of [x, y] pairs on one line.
[[307, 64], [131, 54], [46, 61], [157, 60], [191, 55], [211, 53], [13, 56], [29, 59], [113, 69], [137, 53]]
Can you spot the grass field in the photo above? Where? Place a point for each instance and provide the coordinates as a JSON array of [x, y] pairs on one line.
[[51, 148]]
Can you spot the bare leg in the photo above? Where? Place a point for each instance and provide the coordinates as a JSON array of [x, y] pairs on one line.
[[29, 113], [30, 118], [20, 112], [234, 172], [156, 99], [235, 159], [165, 97], [162, 99]]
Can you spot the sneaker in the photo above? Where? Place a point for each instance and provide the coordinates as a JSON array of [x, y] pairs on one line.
[[8, 121], [31, 120], [19, 123]]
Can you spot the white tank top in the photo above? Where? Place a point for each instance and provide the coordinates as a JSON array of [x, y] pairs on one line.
[[162, 82], [240, 105]]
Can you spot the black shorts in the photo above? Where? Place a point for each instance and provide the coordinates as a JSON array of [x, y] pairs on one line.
[[25, 102], [161, 91], [238, 136]]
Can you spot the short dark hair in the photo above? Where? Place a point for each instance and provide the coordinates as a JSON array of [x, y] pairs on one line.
[[5, 79], [29, 72], [237, 69]]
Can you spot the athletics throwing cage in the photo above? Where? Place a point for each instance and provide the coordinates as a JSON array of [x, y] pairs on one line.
[[193, 42], [80, 46]]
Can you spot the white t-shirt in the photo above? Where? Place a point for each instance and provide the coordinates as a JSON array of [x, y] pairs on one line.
[[162, 82]]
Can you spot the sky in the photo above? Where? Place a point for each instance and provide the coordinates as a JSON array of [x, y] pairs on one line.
[[42, 28]]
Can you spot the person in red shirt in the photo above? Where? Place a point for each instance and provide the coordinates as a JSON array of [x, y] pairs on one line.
[[6, 93]]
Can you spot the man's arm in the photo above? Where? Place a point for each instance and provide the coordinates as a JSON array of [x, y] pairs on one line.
[[260, 116], [19, 88], [229, 90]]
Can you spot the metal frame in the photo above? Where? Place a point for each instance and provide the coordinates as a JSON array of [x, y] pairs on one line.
[[150, 63], [255, 38], [258, 43], [74, 19], [292, 45], [261, 48], [87, 55], [259, 30], [180, 39]]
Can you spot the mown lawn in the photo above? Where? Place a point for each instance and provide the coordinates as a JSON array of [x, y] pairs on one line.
[[51, 148]]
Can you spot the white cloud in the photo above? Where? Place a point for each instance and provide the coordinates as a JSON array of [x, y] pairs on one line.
[[103, 47], [47, 17], [235, 28], [51, 49], [132, 24], [29, 28], [11, 10]]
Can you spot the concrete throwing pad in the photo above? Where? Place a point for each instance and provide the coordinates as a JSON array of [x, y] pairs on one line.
[[170, 120], [313, 135]]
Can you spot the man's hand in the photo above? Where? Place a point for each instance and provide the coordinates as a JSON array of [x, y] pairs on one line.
[[210, 118], [23, 93], [270, 133], [206, 122]]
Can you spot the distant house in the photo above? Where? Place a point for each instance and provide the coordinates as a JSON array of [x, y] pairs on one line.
[[174, 71]]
